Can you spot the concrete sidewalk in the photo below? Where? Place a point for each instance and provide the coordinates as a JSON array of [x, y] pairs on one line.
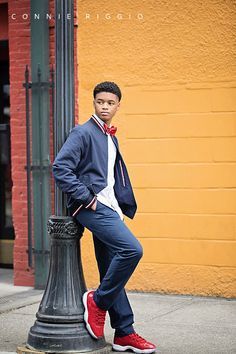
[[177, 324]]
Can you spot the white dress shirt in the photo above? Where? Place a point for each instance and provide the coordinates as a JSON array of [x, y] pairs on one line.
[[107, 195]]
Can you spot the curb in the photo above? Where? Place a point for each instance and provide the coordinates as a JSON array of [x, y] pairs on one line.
[[18, 300]]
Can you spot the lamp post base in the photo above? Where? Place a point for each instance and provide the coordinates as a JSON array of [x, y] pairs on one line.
[[59, 326], [25, 350], [61, 338]]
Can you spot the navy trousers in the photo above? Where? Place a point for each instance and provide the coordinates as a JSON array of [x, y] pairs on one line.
[[118, 253]]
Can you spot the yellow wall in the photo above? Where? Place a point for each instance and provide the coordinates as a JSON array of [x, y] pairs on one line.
[[177, 130]]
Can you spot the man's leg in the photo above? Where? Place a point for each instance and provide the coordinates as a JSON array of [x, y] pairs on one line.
[[106, 224], [126, 253], [121, 314]]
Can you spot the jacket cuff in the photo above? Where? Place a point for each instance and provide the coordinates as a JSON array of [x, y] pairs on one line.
[[90, 202], [77, 210]]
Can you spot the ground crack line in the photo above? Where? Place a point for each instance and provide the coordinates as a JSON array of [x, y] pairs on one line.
[[184, 304]]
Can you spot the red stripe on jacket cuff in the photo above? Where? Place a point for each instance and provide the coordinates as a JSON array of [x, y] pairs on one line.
[[91, 203], [77, 210]]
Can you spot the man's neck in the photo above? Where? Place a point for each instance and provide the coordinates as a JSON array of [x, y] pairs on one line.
[[101, 121]]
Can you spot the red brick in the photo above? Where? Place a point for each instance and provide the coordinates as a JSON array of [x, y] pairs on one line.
[[25, 277], [19, 48]]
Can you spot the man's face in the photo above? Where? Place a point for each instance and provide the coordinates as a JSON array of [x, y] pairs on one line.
[[106, 104]]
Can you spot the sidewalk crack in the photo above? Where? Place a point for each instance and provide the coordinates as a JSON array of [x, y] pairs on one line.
[[182, 305]]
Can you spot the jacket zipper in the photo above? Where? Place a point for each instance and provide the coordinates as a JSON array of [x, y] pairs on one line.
[[122, 173]]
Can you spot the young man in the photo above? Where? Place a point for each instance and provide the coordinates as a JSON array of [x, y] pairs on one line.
[[90, 170]]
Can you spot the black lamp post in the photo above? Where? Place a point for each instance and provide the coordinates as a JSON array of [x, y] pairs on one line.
[[59, 326]]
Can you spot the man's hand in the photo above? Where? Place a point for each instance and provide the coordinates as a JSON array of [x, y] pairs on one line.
[[94, 206]]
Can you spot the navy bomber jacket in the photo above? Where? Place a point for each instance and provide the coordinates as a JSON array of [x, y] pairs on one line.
[[80, 169]]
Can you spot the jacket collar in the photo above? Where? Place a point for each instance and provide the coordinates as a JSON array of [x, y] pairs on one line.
[[100, 125], [98, 122]]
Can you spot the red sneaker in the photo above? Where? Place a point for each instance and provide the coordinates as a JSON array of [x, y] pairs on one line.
[[133, 342], [94, 317]]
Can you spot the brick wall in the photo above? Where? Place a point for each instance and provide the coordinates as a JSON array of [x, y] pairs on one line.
[[180, 146], [177, 132], [19, 51]]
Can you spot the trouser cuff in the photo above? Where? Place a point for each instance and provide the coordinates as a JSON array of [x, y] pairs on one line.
[[124, 331]]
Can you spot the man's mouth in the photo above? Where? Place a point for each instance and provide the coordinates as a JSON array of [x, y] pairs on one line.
[[104, 113]]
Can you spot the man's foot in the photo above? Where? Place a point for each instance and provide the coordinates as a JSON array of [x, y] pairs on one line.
[[133, 342], [94, 317]]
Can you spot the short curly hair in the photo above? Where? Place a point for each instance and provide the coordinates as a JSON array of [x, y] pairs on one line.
[[107, 86]]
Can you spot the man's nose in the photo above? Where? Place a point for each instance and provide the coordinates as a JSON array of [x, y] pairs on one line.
[[105, 105]]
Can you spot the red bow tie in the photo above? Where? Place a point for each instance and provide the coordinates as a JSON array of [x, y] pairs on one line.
[[112, 130]]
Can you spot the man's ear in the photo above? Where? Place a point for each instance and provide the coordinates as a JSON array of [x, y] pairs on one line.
[[118, 106]]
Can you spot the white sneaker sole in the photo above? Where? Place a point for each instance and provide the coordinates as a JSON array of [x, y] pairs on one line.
[[120, 348], [85, 296]]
